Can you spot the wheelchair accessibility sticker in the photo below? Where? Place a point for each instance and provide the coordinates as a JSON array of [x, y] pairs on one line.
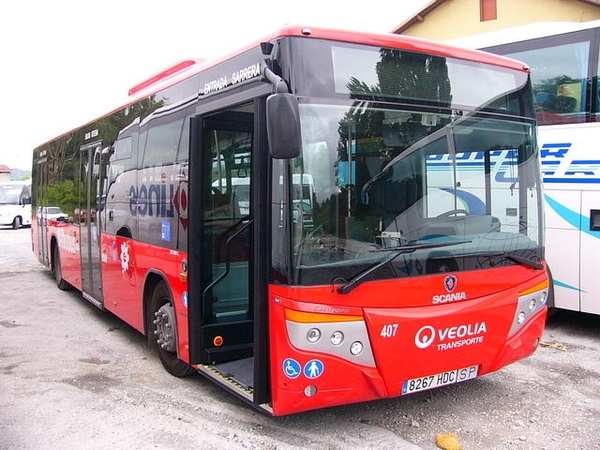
[[291, 368], [313, 369]]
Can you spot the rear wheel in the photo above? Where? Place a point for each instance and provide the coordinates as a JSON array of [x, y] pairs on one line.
[[163, 332], [56, 269]]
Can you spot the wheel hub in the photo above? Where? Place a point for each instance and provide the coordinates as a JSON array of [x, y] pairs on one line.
[[164, 324]]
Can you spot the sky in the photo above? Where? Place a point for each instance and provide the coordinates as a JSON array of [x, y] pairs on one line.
[[64, 63]]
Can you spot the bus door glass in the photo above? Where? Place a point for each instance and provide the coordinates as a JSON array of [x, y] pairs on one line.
[[88, 215], [40, 182], [224, 254]]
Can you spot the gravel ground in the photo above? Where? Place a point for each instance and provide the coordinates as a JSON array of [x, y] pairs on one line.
[[549, 401], [74, 377]]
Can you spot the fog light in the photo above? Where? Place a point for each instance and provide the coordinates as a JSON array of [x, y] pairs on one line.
[[521, 318], [356, 348], [531, 304], [309, 391], [337, 338], [313, 335]]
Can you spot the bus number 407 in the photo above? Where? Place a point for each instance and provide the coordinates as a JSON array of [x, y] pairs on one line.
[[388, 331]]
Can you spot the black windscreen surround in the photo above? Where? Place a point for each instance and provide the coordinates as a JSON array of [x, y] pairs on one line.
[[412, 163], [401, 76]]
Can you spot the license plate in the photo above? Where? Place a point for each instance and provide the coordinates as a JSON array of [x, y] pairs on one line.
[[439, 379]]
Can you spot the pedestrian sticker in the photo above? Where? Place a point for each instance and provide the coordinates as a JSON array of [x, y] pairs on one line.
[[313, 369], [291, 368]]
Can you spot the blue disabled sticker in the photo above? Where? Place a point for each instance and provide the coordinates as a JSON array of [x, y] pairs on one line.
[[291, 368], [313, 369]]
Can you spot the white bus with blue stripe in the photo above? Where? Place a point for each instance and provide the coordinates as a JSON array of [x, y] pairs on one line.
[[564, 60]]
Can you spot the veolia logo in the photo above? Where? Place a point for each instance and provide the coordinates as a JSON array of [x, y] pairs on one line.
[[425, 336]]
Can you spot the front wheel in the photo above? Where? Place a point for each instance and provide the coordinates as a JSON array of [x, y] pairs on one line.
[[163, 332], [17, 223]]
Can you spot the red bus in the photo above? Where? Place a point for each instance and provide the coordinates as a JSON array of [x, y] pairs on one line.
[[322, 218]]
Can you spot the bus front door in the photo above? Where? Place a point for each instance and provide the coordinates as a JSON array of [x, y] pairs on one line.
[[220, 263]]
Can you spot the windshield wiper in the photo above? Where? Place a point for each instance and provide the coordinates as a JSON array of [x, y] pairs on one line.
[[403, 250], [519, 259]]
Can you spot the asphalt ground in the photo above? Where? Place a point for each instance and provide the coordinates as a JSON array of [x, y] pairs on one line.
[[75, 377]]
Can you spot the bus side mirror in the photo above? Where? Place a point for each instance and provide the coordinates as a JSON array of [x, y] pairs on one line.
[[283, 126]]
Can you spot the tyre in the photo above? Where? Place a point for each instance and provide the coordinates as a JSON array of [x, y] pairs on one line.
[[550, 300], [162, 332], [16, 223], [56, 269]]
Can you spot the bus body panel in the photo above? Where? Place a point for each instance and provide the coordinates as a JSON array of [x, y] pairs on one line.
[[571, 172], [67, 237], [8, 214], [590, 246], [565, 270], [126, 267], [123, 291], [429, 343]]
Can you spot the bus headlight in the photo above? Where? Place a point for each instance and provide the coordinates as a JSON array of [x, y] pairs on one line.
[[531, 301], [356, 348], [337, 337], [313, 335], [346, 335]]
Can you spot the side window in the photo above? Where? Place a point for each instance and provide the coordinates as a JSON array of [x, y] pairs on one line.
[[162, 143], [184, 142], [560, 80], [121, 158], [123, 148]]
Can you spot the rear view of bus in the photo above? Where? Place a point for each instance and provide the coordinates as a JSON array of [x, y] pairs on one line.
[[422, 264]]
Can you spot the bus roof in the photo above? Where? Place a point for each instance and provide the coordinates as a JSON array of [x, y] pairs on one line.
[[521, 33], [405, 42], [188, 68]]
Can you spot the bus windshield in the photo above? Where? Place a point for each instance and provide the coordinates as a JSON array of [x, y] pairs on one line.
[[460, 192], [10, 195]]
